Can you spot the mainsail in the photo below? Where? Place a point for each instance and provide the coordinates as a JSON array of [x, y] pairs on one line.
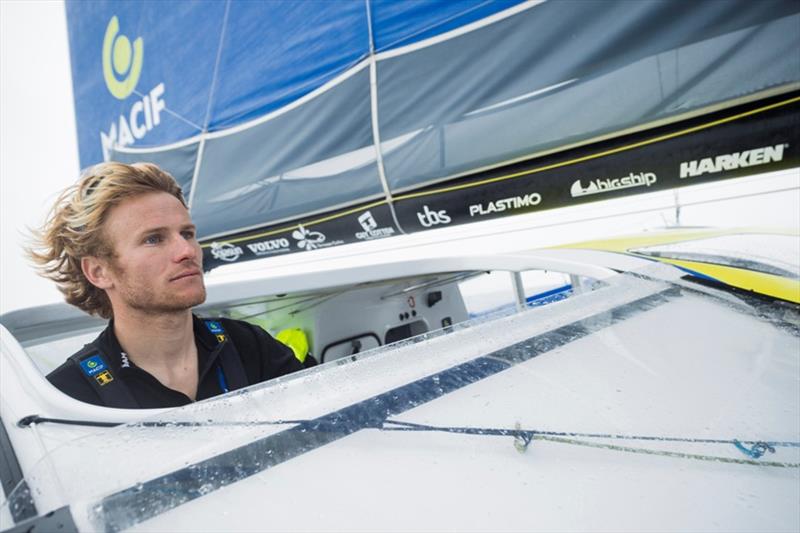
[[300, 125]]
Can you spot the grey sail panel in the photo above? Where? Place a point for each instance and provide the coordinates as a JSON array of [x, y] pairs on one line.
[[563, 73], [178, 161], [313, 157]]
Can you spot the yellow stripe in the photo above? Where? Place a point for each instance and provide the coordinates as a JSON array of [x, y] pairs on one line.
[[602, 154], [525, 172], [762, 283], [627, 243], [759, 282]]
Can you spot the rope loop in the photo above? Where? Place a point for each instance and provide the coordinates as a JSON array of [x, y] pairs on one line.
[[757, 451], [522, 438]]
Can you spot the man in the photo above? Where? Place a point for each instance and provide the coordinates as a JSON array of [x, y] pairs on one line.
[[121, 245]]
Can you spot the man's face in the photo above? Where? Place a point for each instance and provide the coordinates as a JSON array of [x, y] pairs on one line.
[[158, 263]]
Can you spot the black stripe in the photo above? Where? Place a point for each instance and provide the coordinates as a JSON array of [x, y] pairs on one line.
[[15, 488], [59, 520], [176, 488]]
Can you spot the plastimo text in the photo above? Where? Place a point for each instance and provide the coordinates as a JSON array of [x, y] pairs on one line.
[[498, 206]]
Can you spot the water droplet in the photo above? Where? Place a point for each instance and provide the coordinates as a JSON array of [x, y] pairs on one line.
[[205, 488]]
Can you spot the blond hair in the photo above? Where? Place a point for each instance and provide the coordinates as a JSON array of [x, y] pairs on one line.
[[74, 227]]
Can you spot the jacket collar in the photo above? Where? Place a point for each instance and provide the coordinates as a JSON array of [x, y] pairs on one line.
[[206, 343]]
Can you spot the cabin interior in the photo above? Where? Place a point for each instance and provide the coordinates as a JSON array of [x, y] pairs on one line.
[[338, 321]]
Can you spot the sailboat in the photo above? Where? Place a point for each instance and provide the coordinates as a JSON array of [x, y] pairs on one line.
[[352, 168]]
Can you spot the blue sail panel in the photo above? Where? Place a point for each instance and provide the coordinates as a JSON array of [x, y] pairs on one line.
[[397, 24], [141, 71], [272, 57]]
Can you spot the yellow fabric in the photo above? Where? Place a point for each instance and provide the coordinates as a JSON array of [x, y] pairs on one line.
[[626, 243], [651, 238], [759, 282], [295, 339]]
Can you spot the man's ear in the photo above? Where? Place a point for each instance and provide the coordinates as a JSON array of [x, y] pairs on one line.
[[97, 272]]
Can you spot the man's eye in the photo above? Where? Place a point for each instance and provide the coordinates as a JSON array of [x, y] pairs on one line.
[[188, 235], [152, 239]]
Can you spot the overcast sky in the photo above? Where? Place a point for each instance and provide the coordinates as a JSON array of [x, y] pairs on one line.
[[38, 146], [39, 156]]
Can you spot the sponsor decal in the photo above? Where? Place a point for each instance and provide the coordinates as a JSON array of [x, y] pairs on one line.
[[270, 247], [367, 221], [93, 365], [225, 251], [733, 161], [122, 68], [119, 58], [308, 239], [125, 362], [311, 240], [599, 185], [429, 218], [371, 229], [104, 378], [498, 206], [216, 329]]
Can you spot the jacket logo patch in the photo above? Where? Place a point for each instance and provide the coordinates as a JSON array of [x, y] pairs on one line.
[[93, 365], [104, 378], [214, 327]]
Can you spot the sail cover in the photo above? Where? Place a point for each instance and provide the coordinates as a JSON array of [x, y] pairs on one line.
[[299, 125]]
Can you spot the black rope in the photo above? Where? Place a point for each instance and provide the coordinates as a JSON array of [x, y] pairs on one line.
[[36, 419], [396, 425]]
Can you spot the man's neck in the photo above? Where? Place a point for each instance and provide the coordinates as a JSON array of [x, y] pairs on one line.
[[155, 341]]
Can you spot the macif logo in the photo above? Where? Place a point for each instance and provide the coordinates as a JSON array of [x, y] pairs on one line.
[[118, 59], [122, 68]]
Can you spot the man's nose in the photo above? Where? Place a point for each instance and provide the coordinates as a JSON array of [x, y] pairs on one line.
[[184, 249]]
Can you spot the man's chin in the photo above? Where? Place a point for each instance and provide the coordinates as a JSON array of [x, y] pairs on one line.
[[176, 304], [199, 299], [193, 300]]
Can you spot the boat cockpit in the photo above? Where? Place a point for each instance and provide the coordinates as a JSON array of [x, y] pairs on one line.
[[369, 307]]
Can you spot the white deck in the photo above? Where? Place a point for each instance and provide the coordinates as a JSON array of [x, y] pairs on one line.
[[691, 367]]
